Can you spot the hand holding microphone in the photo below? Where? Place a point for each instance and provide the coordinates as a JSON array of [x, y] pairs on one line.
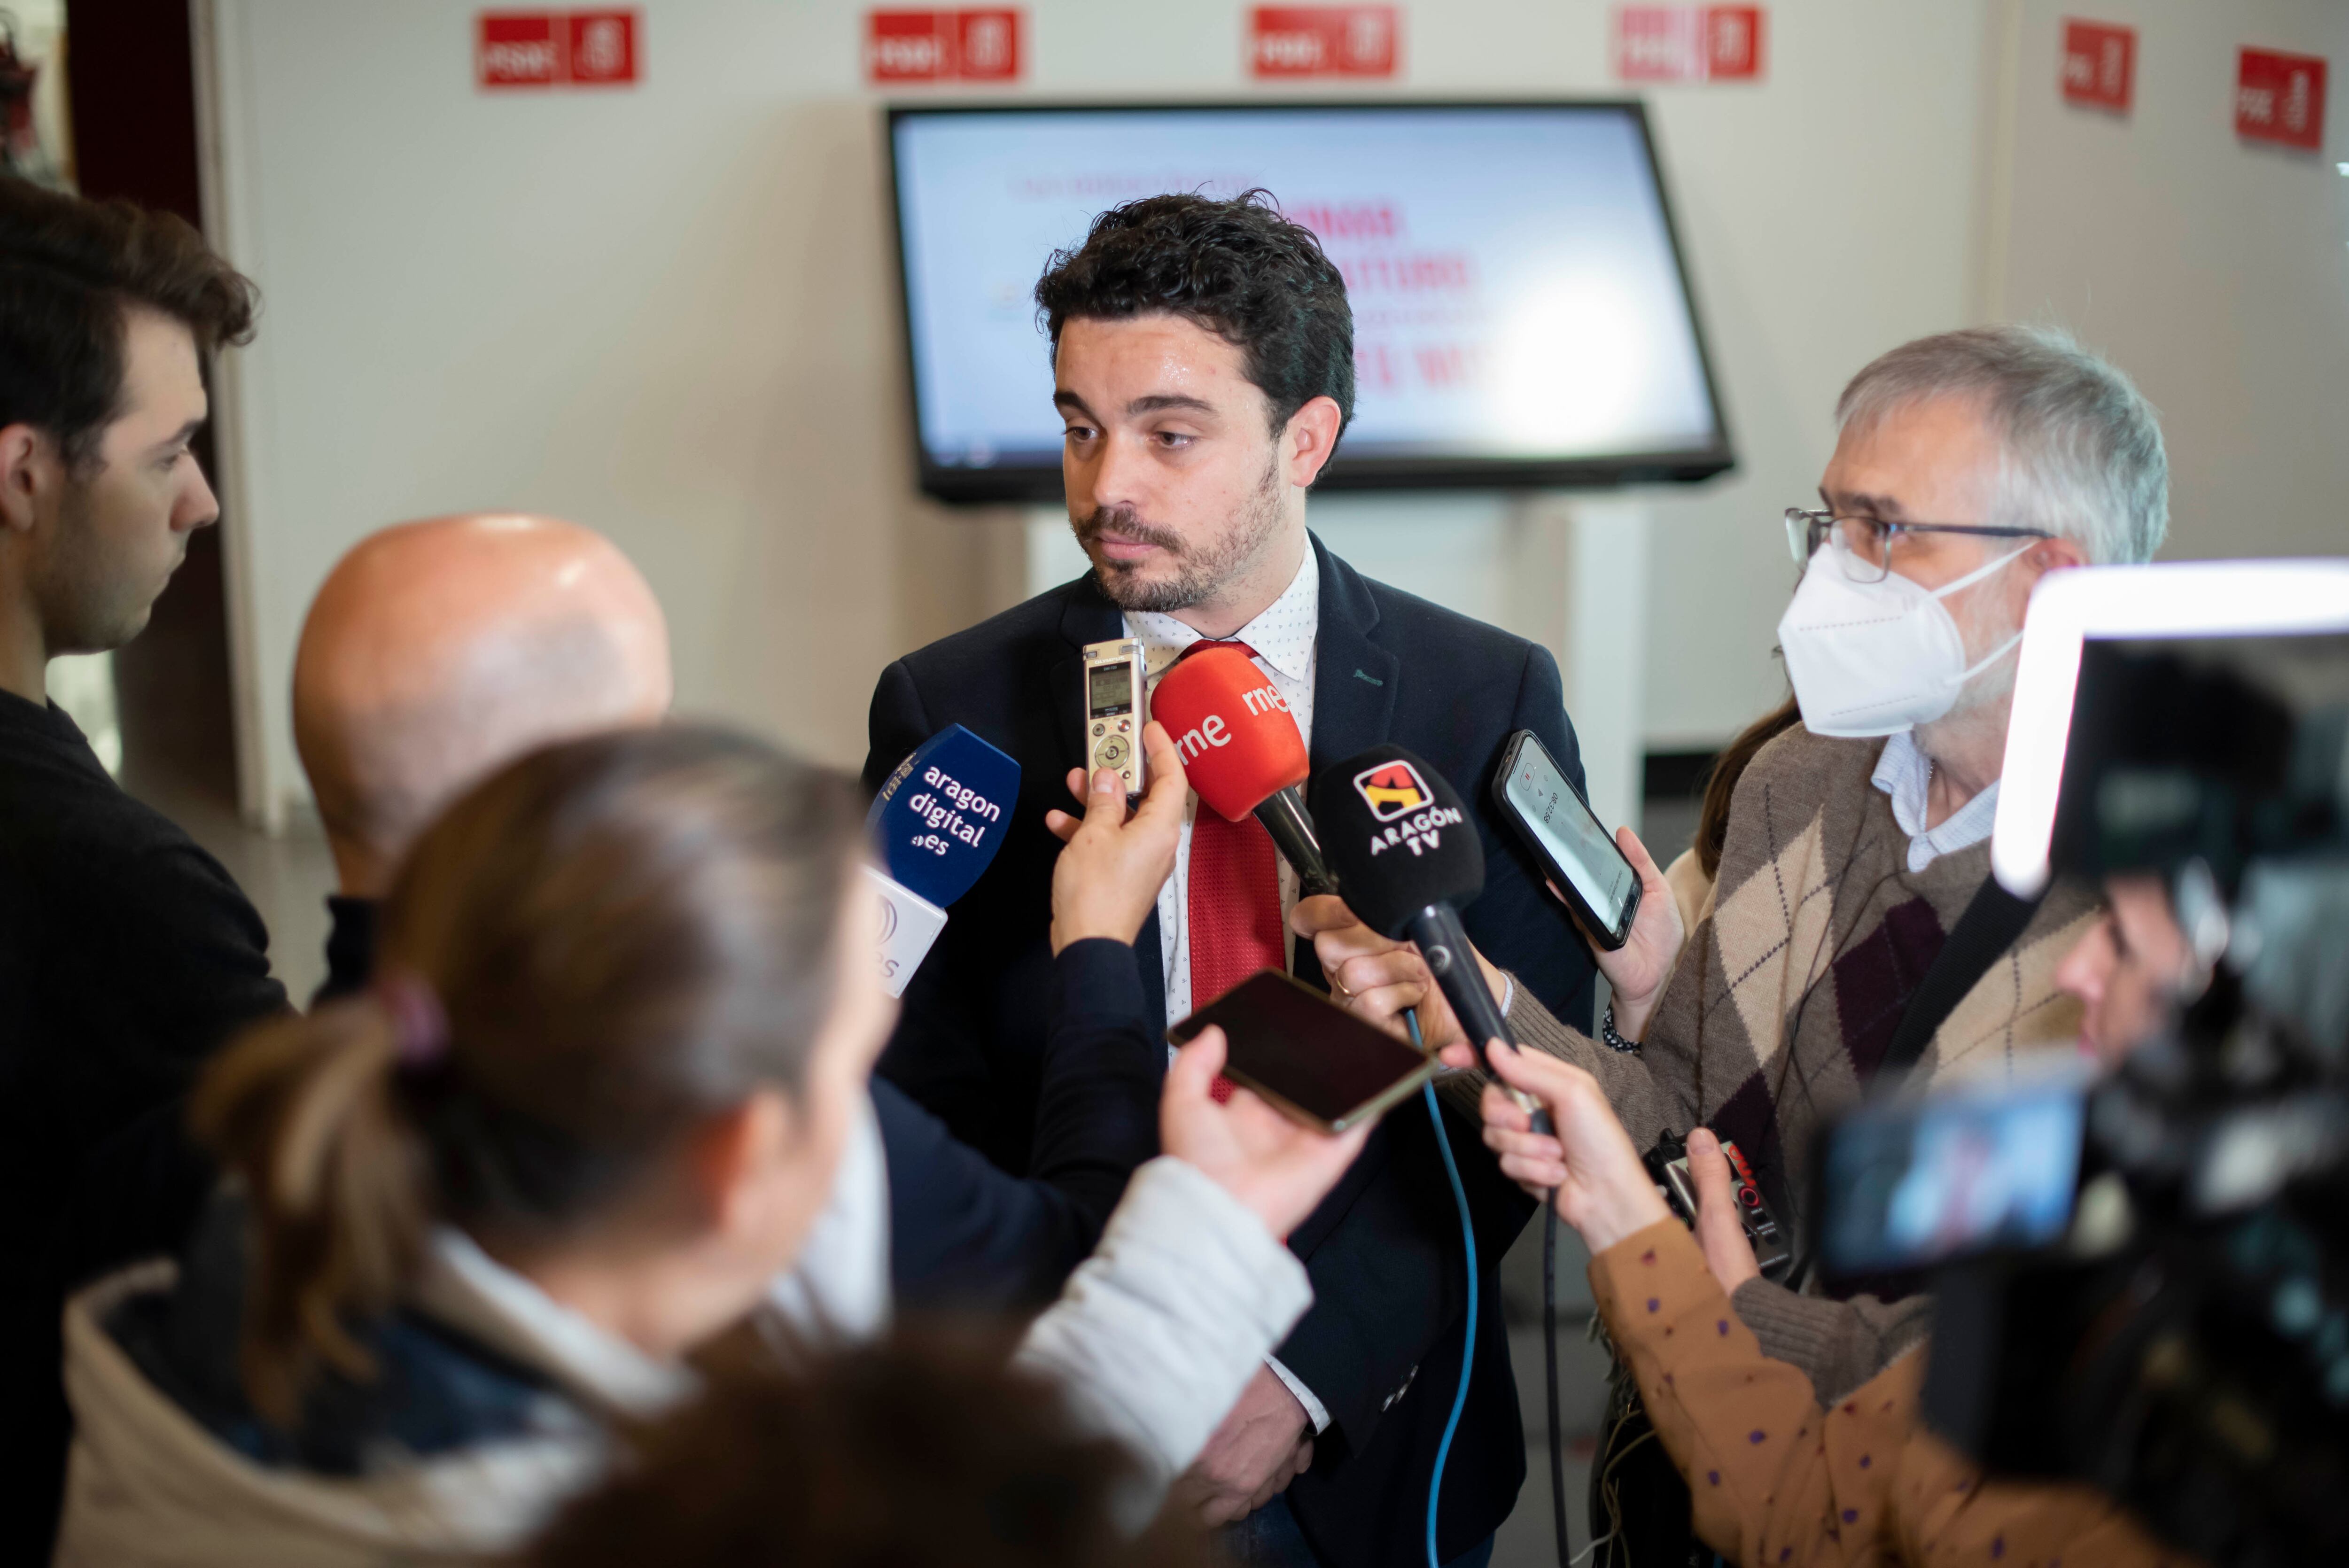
[[1376, 979], [937, 825], [1106, 882], [1574, 1146], [1404, 848]]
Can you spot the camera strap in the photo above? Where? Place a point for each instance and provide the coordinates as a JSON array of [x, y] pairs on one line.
[[1993, 919]]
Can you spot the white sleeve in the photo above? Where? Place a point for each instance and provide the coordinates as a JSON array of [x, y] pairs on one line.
[[1315, 1410], [1160, 1330]]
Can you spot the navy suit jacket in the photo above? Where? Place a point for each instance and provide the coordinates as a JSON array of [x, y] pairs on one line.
[[1382, 1346], [966, 1236]]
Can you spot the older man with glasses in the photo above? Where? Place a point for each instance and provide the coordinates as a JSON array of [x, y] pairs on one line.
[[1854, 929]]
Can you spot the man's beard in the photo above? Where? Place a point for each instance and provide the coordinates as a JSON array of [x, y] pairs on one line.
[[1197, 577], [1994, 683]]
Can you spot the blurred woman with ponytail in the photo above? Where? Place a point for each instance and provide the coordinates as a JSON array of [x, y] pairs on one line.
[[478, 1216]]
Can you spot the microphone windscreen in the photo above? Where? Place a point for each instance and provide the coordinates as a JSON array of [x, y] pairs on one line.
[[1397, 835], [942, 815], [1239, 741]]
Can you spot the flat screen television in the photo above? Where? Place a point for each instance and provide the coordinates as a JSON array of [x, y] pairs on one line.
[[1522, 311]]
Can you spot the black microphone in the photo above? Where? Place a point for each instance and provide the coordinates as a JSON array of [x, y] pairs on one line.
[[1407, 857]]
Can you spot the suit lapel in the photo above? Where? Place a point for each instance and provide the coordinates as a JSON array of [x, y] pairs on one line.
[[1354, 691], [1354, 679]]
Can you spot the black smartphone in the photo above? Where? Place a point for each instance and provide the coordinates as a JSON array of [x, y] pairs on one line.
[[1575, 853], [1306, 1055]]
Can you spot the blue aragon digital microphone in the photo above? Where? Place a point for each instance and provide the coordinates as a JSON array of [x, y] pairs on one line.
[[938, 822]]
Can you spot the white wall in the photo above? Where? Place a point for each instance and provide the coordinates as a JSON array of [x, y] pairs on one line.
[[668, 313], [2215, 271]]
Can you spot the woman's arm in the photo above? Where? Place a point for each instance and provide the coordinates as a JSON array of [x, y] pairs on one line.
[[1774, 1479]]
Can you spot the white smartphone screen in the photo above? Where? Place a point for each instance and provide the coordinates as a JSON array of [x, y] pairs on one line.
[[1573, 836]]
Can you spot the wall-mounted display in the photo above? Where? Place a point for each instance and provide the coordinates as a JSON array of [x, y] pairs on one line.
[[1522, 315]]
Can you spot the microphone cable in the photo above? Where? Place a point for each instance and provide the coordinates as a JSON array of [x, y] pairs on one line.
[[1468, 1336], [1468, 1332]]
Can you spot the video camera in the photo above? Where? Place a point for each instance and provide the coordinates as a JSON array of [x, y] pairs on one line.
[[2141, 1278]]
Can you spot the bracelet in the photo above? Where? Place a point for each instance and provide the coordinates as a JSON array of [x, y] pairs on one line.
[[1609, 1035]]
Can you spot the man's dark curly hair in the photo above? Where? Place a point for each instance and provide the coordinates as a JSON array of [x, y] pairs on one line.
[[68, 269], [1236, 267]]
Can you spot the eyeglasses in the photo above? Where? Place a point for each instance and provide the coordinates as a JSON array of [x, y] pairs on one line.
[[1867, 548]]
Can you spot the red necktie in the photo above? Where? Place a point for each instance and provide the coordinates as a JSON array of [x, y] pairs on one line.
[[1234, 900]]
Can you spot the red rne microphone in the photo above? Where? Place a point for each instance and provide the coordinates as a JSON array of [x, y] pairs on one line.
[[1242, 752]]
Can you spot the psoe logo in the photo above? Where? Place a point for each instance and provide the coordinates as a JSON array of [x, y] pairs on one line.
[[1393, 790]]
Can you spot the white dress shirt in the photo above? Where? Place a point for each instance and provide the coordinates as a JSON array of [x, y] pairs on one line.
[[1284, 639], [1905, 773]]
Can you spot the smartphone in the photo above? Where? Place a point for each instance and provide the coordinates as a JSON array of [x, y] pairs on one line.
[[1575, 853], [1910, 1183], [1306, 1055]]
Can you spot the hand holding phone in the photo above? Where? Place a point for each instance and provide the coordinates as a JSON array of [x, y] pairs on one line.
[[1278, 1168], [1306, 1055], [1614, 887]]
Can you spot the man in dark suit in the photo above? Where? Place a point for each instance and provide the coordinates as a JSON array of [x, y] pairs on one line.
[[1204, 367]]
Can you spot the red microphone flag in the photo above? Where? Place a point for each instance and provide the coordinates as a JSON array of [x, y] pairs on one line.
[[1233, 728]]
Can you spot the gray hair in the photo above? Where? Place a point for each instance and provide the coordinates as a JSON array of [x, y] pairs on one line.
[[2083, 456]]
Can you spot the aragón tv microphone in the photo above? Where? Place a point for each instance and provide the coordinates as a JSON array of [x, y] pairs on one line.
[[1242, 752], [937, 823], [1408, 856]]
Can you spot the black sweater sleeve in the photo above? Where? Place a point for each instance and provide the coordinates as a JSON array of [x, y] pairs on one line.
[[966, 1235]]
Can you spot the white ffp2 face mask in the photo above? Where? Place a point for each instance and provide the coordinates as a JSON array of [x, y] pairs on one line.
[[1875, 658]]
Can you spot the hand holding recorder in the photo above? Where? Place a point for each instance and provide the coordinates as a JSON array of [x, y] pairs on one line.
[[1106, 882], [1606, 1190]]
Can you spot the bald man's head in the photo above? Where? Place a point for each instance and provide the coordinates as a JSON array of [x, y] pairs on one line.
[[437, 651]]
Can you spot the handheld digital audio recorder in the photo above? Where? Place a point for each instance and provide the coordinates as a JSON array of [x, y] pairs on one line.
[[1117, 706]]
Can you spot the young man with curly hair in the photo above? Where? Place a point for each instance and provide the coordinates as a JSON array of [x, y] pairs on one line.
[[1204, 370]]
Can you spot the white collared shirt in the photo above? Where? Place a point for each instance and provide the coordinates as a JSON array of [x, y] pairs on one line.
[[1284, 637], [1905, 773]]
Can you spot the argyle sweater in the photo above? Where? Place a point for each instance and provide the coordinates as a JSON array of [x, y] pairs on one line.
[[1787, 994]]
